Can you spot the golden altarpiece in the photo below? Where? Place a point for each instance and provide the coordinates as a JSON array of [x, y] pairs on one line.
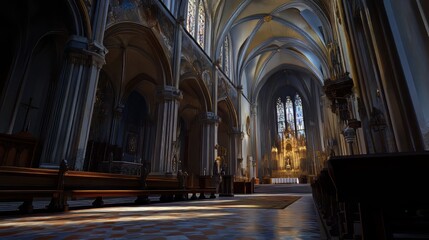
[[288, 156]]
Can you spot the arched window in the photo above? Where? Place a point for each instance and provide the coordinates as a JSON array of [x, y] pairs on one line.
[[299, 116], [221, 55], [201, 24], [280, 117], [290, 112], [224, 57], [190, 17], [196, 21]]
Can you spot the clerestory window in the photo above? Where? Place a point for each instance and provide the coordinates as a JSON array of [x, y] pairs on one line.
[[196, 21]]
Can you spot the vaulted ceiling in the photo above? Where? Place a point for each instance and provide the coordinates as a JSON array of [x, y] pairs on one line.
[[271, 35]]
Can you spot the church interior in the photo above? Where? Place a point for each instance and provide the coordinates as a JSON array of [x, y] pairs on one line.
[[212, 100]]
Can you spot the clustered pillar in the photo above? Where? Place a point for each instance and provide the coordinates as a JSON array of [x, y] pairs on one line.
[[209, 121], [167, 111]]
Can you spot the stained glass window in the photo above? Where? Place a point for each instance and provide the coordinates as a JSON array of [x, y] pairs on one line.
[[280, 117], [190, 17], [226, 66], [222, 61], [201, 24], [299, 116], [289, 114]]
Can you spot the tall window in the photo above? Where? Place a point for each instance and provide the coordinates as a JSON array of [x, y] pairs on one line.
[[289, 114], [299, 116], [190, 17], [224, 57], [290, 111], [196, 21], [201, 24], [280, 117]]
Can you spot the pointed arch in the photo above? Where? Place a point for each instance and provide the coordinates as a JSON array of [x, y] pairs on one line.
[[82, 21], [145, 43], [231, 111]]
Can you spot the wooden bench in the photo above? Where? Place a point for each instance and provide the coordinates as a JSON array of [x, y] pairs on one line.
[[24, 184], [324, 195], [92, 184], [380, 196]]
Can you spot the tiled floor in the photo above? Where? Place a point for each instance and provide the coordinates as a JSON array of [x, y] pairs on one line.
[[200, 219]]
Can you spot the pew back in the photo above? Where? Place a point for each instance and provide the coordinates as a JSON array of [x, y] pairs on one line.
[[381, 178]]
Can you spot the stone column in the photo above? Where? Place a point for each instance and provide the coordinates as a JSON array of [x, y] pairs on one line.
[[215, 92], [70, 119], [254, 115], [99, 21], [235, 139], [167, 113], [239, 156], [89, 85], [178, 51], [209, 121]]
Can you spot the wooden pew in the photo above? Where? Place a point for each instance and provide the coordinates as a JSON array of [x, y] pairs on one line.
[[201, 185], [24, 184], [386, 191], [89, 184], [324, 195]]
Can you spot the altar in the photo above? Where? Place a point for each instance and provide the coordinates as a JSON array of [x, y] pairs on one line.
[[287, 180], [287, 157]]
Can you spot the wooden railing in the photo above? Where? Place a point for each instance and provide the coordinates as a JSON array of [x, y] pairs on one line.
[[17, 150]]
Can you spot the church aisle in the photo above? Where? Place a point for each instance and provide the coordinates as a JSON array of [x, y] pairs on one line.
[[221, 218]]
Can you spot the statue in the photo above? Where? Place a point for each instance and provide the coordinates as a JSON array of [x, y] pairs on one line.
[[335, 60]]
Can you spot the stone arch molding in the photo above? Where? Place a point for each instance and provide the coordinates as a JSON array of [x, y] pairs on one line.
[[142, 43]]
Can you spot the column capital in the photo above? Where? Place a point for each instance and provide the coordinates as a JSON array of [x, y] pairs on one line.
[[119, 109], [168, 93], [210, 117], [81, 51], [236, 131]]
